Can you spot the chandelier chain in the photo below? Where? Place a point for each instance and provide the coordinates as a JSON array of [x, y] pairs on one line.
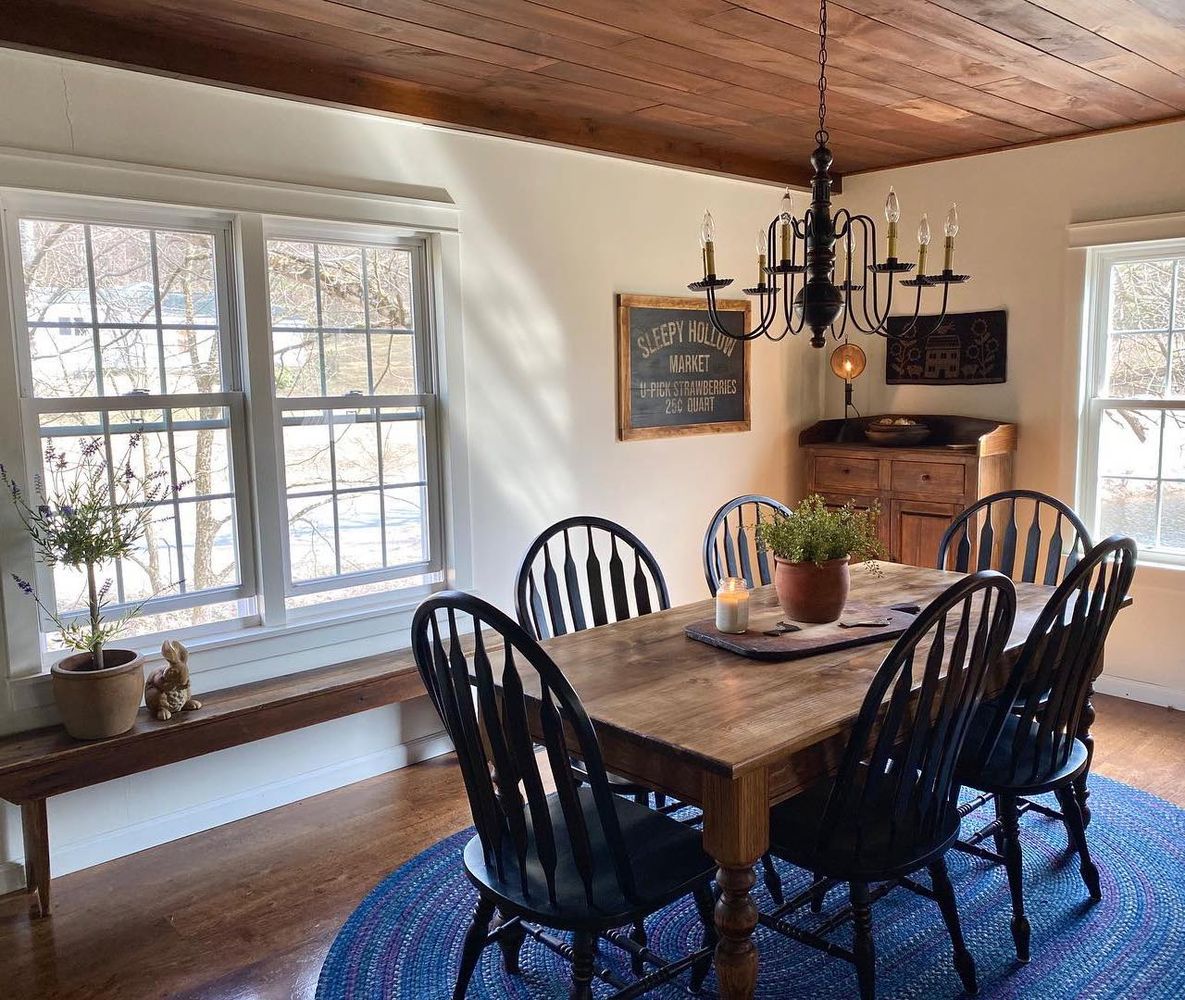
[[821, 136]]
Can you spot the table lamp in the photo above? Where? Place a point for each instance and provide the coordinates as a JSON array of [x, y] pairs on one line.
[[847, 362]]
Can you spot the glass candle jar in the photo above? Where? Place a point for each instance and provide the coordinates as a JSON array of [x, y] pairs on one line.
[[732, 605]]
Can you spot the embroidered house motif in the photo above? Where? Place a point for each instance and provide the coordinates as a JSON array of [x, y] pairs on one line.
[[964, 349]]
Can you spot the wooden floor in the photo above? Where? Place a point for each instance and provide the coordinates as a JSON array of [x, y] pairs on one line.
[[249, 910]]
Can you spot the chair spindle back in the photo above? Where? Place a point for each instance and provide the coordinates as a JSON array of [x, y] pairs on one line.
[[1050, 682], [730, 543], [989, 534], [586, 571], [901, 754], [488, 701]]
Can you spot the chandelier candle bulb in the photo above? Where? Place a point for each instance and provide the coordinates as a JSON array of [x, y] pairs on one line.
[[923, 243], [732, 606], [787, 219], [707, 235], [952, 230], [892, 217], [762, 246]]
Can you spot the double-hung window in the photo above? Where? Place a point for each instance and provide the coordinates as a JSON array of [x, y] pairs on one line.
[[354, 387], [1133, 443], [133, 340], [126, 349]]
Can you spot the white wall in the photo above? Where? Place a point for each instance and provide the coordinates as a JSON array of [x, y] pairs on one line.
[[548, 237], [1014, 209]]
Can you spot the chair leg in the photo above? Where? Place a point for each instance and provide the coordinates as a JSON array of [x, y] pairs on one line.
[[475, 941], [773, 881], [944, 893], [511, 943], [1076, 827], [864, 949], [818, 894], [705, 902], [638, 936], [998, 836], [1013, 862], [584, 955]]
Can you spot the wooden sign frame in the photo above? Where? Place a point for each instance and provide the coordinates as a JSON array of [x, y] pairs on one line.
[[627, 302]]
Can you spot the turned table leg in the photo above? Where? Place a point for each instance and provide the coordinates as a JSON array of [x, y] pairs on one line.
[[736, 834], [36, 831]]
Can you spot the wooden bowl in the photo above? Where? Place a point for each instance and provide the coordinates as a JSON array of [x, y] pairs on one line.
[[896, 435]]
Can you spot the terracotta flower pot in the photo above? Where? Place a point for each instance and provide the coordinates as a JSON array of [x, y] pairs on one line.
[[95, 704], [812, 593]]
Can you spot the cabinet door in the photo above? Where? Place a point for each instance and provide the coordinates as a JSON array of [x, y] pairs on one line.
[[884, 529], [917, 529]]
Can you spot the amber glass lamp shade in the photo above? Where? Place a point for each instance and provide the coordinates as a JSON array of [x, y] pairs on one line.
[[848, 361]]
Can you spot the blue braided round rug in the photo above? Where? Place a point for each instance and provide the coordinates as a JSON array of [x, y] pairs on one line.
[[404, 941]]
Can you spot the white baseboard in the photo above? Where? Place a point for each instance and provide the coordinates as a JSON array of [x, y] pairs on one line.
[[216, 812], [1151, 694], [12, 876]]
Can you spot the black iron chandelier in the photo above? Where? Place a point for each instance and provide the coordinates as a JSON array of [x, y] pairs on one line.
[[807, 247]]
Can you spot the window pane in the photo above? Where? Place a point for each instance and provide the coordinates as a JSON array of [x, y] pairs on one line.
[[201, 440], [307, 452], [355, 449], [1140, 295], [389, 286], [122, 261], [1137, 364], [186, 273], [342, 301], [1128, 507], [1129, 443], [361, 527], [407, 534], [56, 284], [208, 544], [346, 366], [394, 361], [291, 287], [403, 446], [1172, 516], [297, 357], [311, 544], [62, 358], [193, 360], [131, 361]]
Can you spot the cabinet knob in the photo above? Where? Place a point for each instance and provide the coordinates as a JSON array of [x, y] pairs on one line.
[[925, 477]]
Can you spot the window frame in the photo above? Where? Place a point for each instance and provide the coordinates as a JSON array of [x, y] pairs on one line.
[[1096, 336], [426, 399], [18, 205], [278, 635]]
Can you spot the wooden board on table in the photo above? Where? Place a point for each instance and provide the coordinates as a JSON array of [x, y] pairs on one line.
[[811, 640]]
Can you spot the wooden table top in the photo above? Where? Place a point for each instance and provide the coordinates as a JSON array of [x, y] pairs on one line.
[[644, 682]]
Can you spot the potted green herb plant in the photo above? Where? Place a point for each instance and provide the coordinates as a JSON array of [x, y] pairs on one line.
[[84, 514], [812, 549]]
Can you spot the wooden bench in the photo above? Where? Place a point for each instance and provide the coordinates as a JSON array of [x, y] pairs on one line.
[[43, 762]]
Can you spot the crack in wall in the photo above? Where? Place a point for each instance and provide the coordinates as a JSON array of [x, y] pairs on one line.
[[66, 107]]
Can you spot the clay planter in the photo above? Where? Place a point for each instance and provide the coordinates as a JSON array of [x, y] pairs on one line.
[[809, 592], [95, 704]]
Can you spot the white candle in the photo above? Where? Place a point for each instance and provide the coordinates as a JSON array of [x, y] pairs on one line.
[[732, 606]]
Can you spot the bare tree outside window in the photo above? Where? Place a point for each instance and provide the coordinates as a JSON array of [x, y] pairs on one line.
[[1139, 402]]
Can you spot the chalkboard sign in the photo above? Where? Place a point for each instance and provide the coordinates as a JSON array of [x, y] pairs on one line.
[[676, 373]]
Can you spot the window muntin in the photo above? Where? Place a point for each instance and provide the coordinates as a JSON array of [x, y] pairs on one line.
[[1134, 445], [126, 333], [356, 414]]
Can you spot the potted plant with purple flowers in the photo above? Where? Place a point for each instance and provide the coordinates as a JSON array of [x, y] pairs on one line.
[[84, 515]]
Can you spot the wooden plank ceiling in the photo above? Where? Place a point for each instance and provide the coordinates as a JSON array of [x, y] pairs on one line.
[[720, 85]]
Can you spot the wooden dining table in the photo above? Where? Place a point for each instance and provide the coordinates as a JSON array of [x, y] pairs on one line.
[[734, 735]]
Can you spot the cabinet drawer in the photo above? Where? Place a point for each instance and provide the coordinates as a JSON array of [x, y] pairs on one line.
[[856, 474], [928, 478]]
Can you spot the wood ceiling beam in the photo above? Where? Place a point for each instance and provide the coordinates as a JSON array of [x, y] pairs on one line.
[[68, 30]]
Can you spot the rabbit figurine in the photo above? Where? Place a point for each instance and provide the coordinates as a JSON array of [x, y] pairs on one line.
[[166, 691]]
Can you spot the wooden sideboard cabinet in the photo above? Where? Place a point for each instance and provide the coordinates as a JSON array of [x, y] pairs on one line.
[[920, 489]]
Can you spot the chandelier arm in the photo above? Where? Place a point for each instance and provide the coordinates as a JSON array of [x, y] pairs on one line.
[[788, 296], [913, 323], [942, 315], [714, 316], [867, 324]]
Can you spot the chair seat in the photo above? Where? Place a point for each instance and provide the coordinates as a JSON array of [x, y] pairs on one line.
[[667, 858], [1037, 768], [890, 843]]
